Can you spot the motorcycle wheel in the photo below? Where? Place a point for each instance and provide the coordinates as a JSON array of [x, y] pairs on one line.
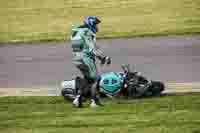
[[157, 88]]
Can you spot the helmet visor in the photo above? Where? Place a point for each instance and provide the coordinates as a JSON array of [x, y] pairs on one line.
[[98, 21]]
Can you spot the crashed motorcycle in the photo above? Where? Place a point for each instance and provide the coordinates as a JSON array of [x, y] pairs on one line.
[[125, 84]]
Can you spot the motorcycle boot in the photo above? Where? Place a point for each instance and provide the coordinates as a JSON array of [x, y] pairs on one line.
[[95, 102], [78, 101]]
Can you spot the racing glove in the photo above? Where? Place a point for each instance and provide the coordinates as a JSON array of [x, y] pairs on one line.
[[106, 60]]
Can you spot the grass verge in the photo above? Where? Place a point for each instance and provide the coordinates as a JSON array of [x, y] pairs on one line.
[[170, 114], [47, 20]]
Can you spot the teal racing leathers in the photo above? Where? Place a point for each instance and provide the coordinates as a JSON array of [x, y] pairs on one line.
[[85, 52]]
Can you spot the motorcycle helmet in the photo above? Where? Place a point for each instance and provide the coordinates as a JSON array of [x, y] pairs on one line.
[[91, 22]]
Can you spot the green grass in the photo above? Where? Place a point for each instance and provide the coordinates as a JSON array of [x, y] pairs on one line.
[[172, 114], [47, 20]]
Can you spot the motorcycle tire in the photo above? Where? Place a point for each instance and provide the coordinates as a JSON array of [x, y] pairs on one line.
[[157, 87]]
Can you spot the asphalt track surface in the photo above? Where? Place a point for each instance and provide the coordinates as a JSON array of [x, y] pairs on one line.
[[169, 59]]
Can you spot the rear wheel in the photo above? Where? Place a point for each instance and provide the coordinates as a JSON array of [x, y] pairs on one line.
[[157, 87]]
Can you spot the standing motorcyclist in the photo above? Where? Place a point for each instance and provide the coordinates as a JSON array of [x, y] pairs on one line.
[[83, 40]]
